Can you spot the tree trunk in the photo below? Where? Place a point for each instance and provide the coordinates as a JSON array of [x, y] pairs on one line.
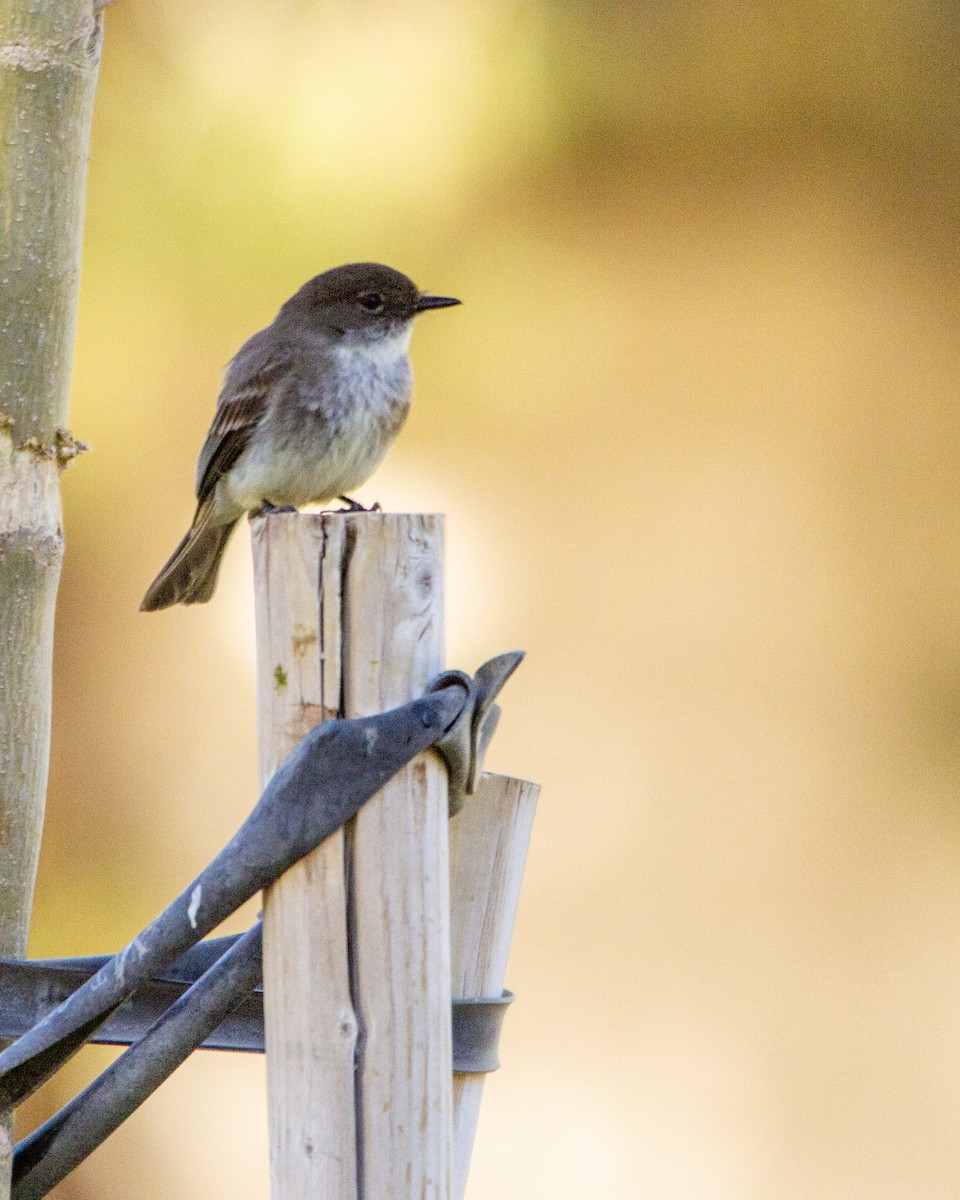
[[49, 54]]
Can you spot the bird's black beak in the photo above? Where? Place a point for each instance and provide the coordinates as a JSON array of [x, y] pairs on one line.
[[428, 302]]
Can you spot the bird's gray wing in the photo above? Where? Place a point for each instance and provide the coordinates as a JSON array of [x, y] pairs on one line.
[[254, 373]]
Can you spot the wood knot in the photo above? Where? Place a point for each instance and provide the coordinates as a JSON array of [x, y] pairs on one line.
[[34, 446], [67, 447], [302, 719], [64, 448], [301, 642]]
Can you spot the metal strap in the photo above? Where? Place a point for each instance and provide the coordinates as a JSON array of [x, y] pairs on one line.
[[31, 989]]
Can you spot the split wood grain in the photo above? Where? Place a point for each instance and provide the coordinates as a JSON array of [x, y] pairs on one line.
[[310, 1025], [489, 839], [393, 645], [357, 936]]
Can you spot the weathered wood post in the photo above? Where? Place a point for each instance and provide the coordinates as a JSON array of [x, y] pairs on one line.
[[489, 838], [357, 935]]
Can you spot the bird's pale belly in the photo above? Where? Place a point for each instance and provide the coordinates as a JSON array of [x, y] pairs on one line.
[[317, 462]]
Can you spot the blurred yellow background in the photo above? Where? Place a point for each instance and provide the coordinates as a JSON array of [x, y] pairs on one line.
[[696, 433]]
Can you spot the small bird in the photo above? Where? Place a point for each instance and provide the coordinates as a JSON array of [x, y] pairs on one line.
[[308, 409]]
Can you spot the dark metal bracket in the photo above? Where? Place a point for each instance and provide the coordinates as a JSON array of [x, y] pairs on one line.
[[30, 989], [168, 993]]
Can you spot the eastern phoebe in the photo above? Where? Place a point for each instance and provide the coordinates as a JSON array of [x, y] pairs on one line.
[[307, 411]]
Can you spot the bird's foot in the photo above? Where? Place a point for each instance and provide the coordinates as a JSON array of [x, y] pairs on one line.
[[355, 505], [266, 508]]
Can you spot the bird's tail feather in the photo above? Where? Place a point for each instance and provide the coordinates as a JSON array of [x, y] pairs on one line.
[[190, 574]]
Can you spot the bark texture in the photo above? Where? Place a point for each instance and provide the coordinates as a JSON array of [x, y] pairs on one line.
[[49, 55]]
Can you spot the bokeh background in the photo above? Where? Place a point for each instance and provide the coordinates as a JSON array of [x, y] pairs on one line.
[[695, 430]]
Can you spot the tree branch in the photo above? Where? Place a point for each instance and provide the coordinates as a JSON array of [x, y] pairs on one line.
[[49, 55]]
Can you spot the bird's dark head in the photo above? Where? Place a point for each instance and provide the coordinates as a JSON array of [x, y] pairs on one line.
[[364, 301]]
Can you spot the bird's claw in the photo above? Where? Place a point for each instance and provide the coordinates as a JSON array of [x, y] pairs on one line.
[[354, 506], [266, 508]]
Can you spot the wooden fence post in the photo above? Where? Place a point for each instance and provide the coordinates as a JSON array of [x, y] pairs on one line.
[[310, 1024], [489, 838], [357, 936]]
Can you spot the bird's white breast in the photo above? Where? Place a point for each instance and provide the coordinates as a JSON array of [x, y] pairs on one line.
[[345, 428]]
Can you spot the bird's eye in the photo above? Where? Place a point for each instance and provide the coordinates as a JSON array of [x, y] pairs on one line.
[[372, 302]]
